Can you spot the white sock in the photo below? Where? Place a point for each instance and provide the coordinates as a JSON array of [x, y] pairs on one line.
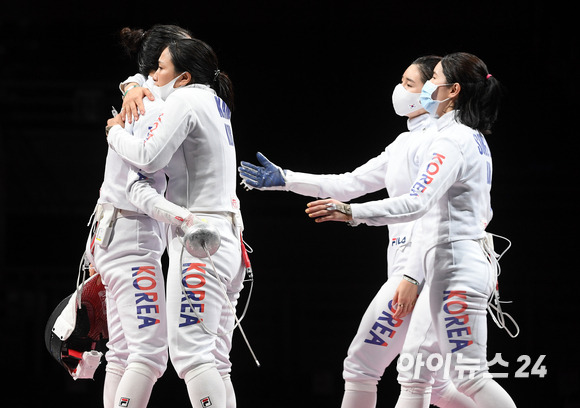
[[449, 397], [114, 373], [230, 393], [414, 397], [359, 394], [492, 395], [135, 387], [206, 387]]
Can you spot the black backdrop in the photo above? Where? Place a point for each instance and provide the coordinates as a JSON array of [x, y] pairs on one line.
[[313, 83]]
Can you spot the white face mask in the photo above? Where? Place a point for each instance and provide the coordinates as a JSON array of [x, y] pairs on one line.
[[165, 90], [405, 102]]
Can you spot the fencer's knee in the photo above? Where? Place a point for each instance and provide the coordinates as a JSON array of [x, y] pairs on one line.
[[194, 372], [364, 386], [471, 385], [416, 388], [143, 369], [114, 368], [441, 391]]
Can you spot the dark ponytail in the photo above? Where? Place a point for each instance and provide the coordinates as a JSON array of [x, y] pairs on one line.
[[198, 58], [131, 40], [224, 88], [148, 45], [477, 104]]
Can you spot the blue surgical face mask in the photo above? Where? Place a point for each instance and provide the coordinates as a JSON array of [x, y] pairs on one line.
[[426, 99]]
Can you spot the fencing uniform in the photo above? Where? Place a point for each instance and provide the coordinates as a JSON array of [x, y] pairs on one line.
[[192, 141], [451, 196], [125, 247], [380, 337]]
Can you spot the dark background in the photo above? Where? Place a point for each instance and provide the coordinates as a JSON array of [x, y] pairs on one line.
[[313, 83]]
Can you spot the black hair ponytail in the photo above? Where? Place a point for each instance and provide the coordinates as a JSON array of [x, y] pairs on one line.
[[131, 40], [224, 88], [199, 59], [477, 104], [148, 45]]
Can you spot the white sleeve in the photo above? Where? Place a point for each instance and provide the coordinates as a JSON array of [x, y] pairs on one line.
[[365, 179], [163, 140], [137, 78], [436, 175], [414, 264], [142, 194]]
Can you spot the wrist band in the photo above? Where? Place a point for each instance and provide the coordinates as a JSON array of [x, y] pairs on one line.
[[125, 93], [409, 279]]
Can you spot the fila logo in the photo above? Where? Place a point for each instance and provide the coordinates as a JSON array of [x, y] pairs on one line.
[[124, 402], [398, 241], [205, 402]]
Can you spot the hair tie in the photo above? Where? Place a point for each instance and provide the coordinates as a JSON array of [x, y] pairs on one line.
[[488, 76], [216, 74]]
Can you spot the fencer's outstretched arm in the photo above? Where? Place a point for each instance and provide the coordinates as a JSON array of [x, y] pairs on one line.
[[424, 193], [346, 186]]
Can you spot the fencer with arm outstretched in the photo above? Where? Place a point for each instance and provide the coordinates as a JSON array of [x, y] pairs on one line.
[[383, 327]]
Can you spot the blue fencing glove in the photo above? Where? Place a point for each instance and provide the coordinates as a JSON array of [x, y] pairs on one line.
[[262, 177]]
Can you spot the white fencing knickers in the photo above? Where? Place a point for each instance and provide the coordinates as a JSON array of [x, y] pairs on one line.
[[130, 268], [192, 342], [460, 280], [380, 338]]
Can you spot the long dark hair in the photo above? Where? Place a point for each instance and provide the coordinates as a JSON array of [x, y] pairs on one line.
[[199, 59], [426, 65], [477, 104], [148, 45]]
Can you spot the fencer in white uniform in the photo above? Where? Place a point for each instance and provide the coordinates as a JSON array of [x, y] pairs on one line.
[[380, 335], [451, 197], [192, 141], [125, 248]]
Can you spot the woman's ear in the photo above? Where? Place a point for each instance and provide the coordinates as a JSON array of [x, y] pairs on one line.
[[185, 79], [454, 90]]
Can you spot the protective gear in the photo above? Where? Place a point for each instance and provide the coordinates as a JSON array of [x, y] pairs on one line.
[[201, 238], [426, 99], [405, 102], [197, 236], [165, 90], [269, 176], [76, 332]]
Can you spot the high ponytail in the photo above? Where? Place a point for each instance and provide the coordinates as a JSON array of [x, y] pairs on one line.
[[199, 59], [477, 104]]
